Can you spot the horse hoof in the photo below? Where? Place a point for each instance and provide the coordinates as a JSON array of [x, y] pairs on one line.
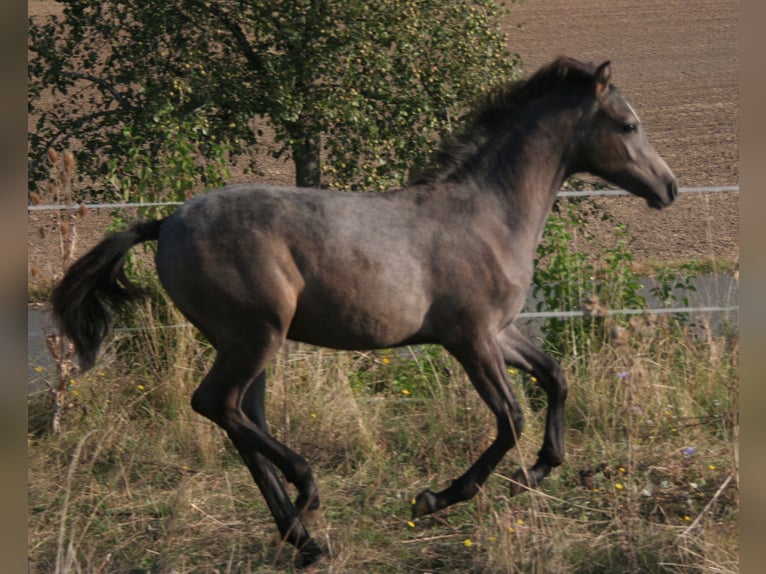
[[311, 553], [517, 489], [424, 503], [520, 482]]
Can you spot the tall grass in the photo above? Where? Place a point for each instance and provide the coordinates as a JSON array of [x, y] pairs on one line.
[[650, 483]]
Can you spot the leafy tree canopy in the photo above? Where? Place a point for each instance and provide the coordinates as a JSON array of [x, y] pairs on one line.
[[155, 94]]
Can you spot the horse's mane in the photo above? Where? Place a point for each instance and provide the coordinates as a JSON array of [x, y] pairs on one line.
[[492, 110]]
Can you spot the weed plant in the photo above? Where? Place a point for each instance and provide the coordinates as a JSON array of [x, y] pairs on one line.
[[61, 175], [567, 279]]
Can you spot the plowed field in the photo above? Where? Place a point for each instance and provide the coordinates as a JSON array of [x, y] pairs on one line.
[[676, 61]]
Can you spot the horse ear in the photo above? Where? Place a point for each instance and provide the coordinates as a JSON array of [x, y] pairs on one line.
[[601, 78]]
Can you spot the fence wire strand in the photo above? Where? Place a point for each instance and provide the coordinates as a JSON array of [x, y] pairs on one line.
[[562, 193]]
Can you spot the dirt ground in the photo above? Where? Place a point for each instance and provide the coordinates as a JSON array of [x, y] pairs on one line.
[[676, 61]]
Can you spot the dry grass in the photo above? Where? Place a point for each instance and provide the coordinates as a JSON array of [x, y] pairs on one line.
[[141, 483]]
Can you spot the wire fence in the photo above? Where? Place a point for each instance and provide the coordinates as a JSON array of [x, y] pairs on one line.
[[562, 193], [719, 304]]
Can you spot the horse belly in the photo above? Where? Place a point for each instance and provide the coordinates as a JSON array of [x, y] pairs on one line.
[[375, 319]]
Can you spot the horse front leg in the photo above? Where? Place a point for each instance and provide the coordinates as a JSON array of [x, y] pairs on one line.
[[485, 367], [520, 353]]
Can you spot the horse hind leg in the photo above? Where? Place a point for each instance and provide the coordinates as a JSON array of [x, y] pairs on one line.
[[520, 353], [289, 522], [299, 473], [221, 397]]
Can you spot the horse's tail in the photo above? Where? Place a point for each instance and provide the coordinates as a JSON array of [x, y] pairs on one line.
[[95, 285]]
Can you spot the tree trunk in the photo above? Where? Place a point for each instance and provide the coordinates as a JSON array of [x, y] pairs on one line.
[[308, 171]]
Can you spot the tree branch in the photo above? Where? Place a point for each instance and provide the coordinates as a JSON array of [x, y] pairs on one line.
[[236, 31], [118, 96]]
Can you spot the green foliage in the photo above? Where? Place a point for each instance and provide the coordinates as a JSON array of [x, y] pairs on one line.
[[163, 164], [413, 372], [559, 269], [568, 279], [673, 286], [409, 68], [368, 85]]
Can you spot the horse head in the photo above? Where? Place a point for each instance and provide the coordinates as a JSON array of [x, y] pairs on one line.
[[616, 147]]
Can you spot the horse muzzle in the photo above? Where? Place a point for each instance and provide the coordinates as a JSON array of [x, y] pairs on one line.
[[662, 199]]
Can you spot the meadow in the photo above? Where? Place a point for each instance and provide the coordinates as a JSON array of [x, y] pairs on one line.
[[138, 482]]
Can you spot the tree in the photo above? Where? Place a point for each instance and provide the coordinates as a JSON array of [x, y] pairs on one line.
[[356, 92]]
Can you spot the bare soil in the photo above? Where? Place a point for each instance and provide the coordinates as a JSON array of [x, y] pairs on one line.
[[675, 60]]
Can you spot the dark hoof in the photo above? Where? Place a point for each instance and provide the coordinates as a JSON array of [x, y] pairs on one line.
[[517, 488], [522, 481], [424, 503], [531, 478], [311, 553]]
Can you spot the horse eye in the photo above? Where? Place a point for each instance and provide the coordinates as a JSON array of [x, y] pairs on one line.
[[627, 128]]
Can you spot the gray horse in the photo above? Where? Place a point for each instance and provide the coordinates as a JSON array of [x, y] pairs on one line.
[[447, 260]]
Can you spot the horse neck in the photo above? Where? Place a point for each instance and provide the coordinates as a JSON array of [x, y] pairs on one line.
[[530, 170]]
